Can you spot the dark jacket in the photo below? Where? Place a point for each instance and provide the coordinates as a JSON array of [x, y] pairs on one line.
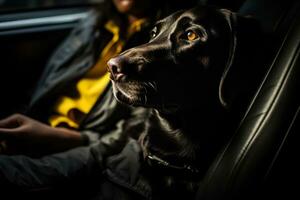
[[85, 172], [81, 173], [76, 55]]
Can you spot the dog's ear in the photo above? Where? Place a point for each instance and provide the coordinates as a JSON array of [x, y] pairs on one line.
[[244, 31], [230, 19]]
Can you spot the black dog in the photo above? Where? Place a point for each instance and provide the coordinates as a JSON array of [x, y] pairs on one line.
[[179, 74]]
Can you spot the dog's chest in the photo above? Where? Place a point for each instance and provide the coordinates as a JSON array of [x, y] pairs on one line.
[[160, 138]]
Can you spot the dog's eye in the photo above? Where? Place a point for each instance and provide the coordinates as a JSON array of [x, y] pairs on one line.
[[191, 35], [153, 32]]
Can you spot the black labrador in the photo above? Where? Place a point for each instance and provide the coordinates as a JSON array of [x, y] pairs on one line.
[[179, 74]]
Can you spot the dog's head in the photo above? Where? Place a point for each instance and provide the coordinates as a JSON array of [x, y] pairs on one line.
[[181, 65]]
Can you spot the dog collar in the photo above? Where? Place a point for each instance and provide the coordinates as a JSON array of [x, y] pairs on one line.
[[155, 160]]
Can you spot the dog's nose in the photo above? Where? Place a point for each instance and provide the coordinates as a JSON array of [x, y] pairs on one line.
[[115, 69]]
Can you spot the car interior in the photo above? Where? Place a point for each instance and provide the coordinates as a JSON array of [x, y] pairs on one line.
[[259, 160]]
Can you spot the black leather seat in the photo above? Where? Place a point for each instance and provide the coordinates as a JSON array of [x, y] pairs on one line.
[[259, 160]]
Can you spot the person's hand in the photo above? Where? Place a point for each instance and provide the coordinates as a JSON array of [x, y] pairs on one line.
[[22, 135]]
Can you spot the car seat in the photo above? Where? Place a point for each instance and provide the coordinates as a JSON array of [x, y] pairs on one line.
[[258, 161]]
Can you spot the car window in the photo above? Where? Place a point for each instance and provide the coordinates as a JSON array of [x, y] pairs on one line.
[[17, 5]]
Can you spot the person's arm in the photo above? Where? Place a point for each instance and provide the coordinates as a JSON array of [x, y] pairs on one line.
[[22, 135], [78, 168]]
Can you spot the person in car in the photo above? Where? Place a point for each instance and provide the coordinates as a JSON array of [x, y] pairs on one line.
[[73, 104], [65, 119]]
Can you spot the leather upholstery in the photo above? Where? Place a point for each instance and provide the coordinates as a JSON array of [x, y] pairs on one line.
[[244, 167]]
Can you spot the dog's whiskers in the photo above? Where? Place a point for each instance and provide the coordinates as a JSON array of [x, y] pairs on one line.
[[145, 99], [145, 88], [153, 85]]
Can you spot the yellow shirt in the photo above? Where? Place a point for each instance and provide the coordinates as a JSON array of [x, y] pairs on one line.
[[69, 110]]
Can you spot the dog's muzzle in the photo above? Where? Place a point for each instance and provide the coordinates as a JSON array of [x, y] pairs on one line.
[[115, 69]]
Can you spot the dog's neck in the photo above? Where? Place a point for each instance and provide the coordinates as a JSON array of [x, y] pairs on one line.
[[167, 139], [176, 139]]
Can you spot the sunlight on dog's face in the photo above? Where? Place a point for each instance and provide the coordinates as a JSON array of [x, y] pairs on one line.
[[178, 61]]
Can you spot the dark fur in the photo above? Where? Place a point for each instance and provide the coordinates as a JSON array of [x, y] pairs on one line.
[[179, 80]]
